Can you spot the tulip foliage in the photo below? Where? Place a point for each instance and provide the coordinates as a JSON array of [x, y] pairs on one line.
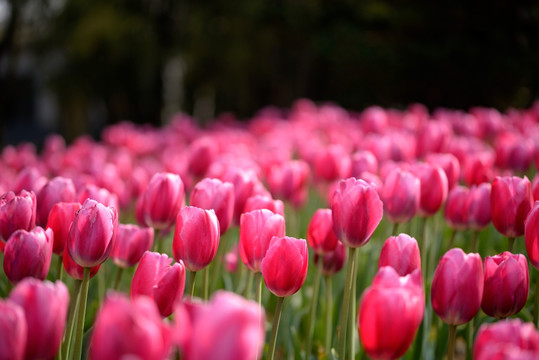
[[317, 233]]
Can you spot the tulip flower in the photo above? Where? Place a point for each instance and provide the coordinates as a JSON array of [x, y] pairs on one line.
[[29, 179], [320, 235], [331, 163], [455, 212], [163, 198], [244, 187], [478, 206], [13, 330], [508, 339], [28, 253], [478, 167], [401, 193], [217, 195], [333, 261], [449, 164], [58, 189], [131, 243], [231, 259], [126, 329], [75, 270], [401, 253], [17, 212], [363, 161], [434, 187], [390, 313], [45, 306], [201, 154], [157, 279], [102, 195], [258, 202], [289, 181], [506, 285], [60, 218]]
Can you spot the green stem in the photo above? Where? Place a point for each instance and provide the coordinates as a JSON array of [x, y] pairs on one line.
[[452, 238], [395, 228], [469, 343], [79, 330], [118, 278], [424, 246], [314, 303], [73, 306], [536, 304], [192, 275], [352, 318], [475, 241], [275, 327], [205, 283], [341, 330], [239, 277], [59, 267], [258, 287], [329, 313], [511, 243], [249, 287], [451, 343]]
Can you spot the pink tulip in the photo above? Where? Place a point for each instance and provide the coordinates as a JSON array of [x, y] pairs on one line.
[[506, 285], [28, 253], [196, 237], [102, 195], [201, 153], [456, 211], [401, 253], [58, 189], [284, 267], [510, 203], [531, 235], [357, 210], [217, 195], [45, 306], [401, 194], [231, 259], [129, 329], [60, 218], [320, 233], [75, 270], [92, 234], [17, 212], [13, 331], [29, 179], [450, 165], [331, 163], [131, 243], [390, 313], [333, 261], [257, 228], [478, 168], [363, 161], [162, 282], [508, 339], [289, 181], [478, 206], [163, 198], [258, 202], [433, 187], [457, 287]]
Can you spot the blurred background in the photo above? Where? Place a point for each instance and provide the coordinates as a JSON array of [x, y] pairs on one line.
[[72, 67]]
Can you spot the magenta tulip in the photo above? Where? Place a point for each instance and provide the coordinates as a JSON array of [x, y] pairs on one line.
[[449, 164], [357, 210], [196, 237], [508, 339], [58, 189], [131, 243], [101, 195], [478, 206], [17, 212], [531, 235], [75, 270], [333, 261], [284, 267], [401, 253], [201, 154], [217, 195], [289, 181], [163, 198], [258, 202], [331, 163], [45, 306], [60, 218], [13, 330], [434, 187], [29, 179], [400, 193], [457, 287], [257, 228], [92, 234], [510, 203], [456, 208], [28, 253], [363, 161], [320, 233]]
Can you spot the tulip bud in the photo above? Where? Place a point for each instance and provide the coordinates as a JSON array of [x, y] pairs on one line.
[[456, 212], [390, 313], [284, 267], [28, 253], [196, 237], [60, 218], [333, 261], [478, 206], [201, 154], [510, 203], [401, 253], [92, 234], [320, 233], [363, 161], [256, 231], [331, 163], [217, 195], [58, 189], [506, 285], [45, 306], [433, 187], [75, 270], [449, 164], [531, 235], [12, 331], [131, 243], [457, 287], [29, 179], [289, 181], [401, 193], [129, 329], [17, 212], [163, 198], [244, 185], [258, 202], [508, 339], [357, 210], [101, 195]]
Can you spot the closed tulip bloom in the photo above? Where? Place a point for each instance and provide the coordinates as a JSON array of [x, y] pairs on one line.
[[289, 181], [457, 287], [390, 313], [320, 233], [257, 228], [434, 187], [228, 328], [331, 163], [196, 237], [12, 331], [531, 235], [478, 206], [92, 234], [75, 270], [217, 195], [28, 253], [231, 259], [60, 218], [401, 193], [506, 285], [456, 212], [363, 161], [258, 202], [357, 210], [156, 278], [478, 168], [102, 195], [244, 182], [163, 198], [29, 179], [508, 339], [201, 154], [17, 212], [45, 306], [333, 261], [449, 164], [401, 253], [510, 203], [131, 243], [284, 267], [129, 329], [58, 189]]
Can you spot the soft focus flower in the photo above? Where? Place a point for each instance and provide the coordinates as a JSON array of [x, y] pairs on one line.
[[456, 208], [320, 233], [258, 202], [131, 243], [17, 212], [508, 339], [13, 330], [201, 154], [531, 235], [102, 195], [450, 165], [58, 189], [401, 193], [163, 198], [217, 195], [401, 253], [331, 163], [510, 203], [61, 216], [363, 161], [333, 261], [433, 187], [478, 206], [289, 181], [231, 259]]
